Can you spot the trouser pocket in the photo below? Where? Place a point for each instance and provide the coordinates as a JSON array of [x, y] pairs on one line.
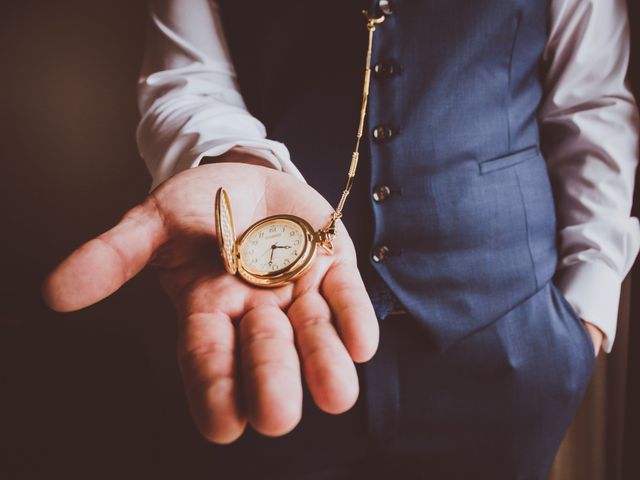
[[569, 311]]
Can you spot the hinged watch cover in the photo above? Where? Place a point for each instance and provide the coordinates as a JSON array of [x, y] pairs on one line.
[[226, 232]]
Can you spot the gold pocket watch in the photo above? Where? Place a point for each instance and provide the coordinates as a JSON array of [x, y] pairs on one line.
[[279, 249], [272, 252]]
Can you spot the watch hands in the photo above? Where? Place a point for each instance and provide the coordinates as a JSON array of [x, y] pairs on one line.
[[273, 249]]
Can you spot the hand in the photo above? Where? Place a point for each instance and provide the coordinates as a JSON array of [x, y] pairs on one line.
[[240, 348], [596, 336]]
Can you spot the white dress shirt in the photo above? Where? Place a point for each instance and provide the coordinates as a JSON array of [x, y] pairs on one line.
[[191, 107]]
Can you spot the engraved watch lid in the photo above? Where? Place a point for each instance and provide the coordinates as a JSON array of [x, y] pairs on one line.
[[225, 231]]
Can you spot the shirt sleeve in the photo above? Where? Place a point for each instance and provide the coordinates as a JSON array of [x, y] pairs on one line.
[[589, 129], [188, 94]]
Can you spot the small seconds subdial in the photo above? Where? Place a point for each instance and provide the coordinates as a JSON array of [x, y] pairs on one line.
[[272, 247]]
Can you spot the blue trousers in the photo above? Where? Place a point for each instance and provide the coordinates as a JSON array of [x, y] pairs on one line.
[[495, 405]]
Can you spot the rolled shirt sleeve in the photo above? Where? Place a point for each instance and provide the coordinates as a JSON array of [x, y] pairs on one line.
[[188, 95], [589, 129]]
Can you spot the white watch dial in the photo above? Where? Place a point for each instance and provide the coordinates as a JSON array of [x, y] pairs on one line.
[[272, 247]]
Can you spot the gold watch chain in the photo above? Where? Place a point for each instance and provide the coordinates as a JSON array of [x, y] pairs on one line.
[[327, 233]]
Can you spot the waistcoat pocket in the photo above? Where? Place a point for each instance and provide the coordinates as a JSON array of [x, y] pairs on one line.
[[509, 160]]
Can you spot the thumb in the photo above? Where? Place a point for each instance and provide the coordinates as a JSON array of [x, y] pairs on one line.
[[102, 265]]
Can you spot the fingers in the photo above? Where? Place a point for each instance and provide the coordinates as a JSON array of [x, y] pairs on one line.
[[99, 267], [328, 370], [207, 358], [270, 370], [356, 320]]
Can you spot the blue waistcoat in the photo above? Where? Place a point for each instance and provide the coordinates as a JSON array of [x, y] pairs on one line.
[[452, 212]]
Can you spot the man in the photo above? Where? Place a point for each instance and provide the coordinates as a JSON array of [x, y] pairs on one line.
[[474, 105]]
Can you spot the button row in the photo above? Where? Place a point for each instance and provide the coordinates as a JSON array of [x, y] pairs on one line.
[[383, 70]]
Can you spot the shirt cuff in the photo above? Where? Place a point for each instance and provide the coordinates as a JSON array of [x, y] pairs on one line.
[[593, 290], [275, 153]]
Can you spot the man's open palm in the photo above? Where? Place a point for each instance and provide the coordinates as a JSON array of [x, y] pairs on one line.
[[240, 348]]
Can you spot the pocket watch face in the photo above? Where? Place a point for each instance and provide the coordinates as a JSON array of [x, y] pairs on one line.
[[275, 245]]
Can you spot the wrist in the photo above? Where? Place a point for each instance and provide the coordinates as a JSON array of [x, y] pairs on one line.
[[596, 334]]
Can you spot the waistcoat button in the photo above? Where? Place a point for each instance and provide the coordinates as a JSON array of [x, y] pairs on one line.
[[381, 193], [382, 133], [385, 6], [386, 69], [379, 253]]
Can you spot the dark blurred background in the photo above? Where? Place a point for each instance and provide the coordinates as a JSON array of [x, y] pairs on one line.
[[96, 394], [81, 395]]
